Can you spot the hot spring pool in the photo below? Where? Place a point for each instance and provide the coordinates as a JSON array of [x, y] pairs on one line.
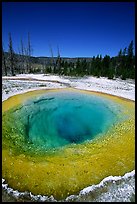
[[57, 142]]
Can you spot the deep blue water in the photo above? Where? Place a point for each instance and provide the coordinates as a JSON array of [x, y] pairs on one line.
[[60, 118]]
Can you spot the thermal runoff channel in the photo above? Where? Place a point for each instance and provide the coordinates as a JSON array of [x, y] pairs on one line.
[[57, 142]]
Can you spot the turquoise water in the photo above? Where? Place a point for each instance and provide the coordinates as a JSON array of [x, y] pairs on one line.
[[61, 118]]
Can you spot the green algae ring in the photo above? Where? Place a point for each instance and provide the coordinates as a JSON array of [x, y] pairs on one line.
[[56, 142]]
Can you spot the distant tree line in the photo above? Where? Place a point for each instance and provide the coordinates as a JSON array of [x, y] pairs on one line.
[[122, 65]]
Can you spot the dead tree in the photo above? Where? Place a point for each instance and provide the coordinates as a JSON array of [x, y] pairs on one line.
[[58, 61], [29, 53], [23, 57], [52, 67], [11, 56]]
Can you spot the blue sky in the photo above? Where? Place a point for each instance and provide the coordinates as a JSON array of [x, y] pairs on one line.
[[79, 29]]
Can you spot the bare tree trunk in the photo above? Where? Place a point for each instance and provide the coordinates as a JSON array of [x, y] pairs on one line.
[[29, 53], [26, 60], [58, 62], [11, 55], [22, 56], [52, 60]]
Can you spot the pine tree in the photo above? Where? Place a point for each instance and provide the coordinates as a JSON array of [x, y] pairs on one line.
[[124, 52], [4, 61], [130, 49], [106, 65], [120, 53], [130, 60], [119, 66]]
